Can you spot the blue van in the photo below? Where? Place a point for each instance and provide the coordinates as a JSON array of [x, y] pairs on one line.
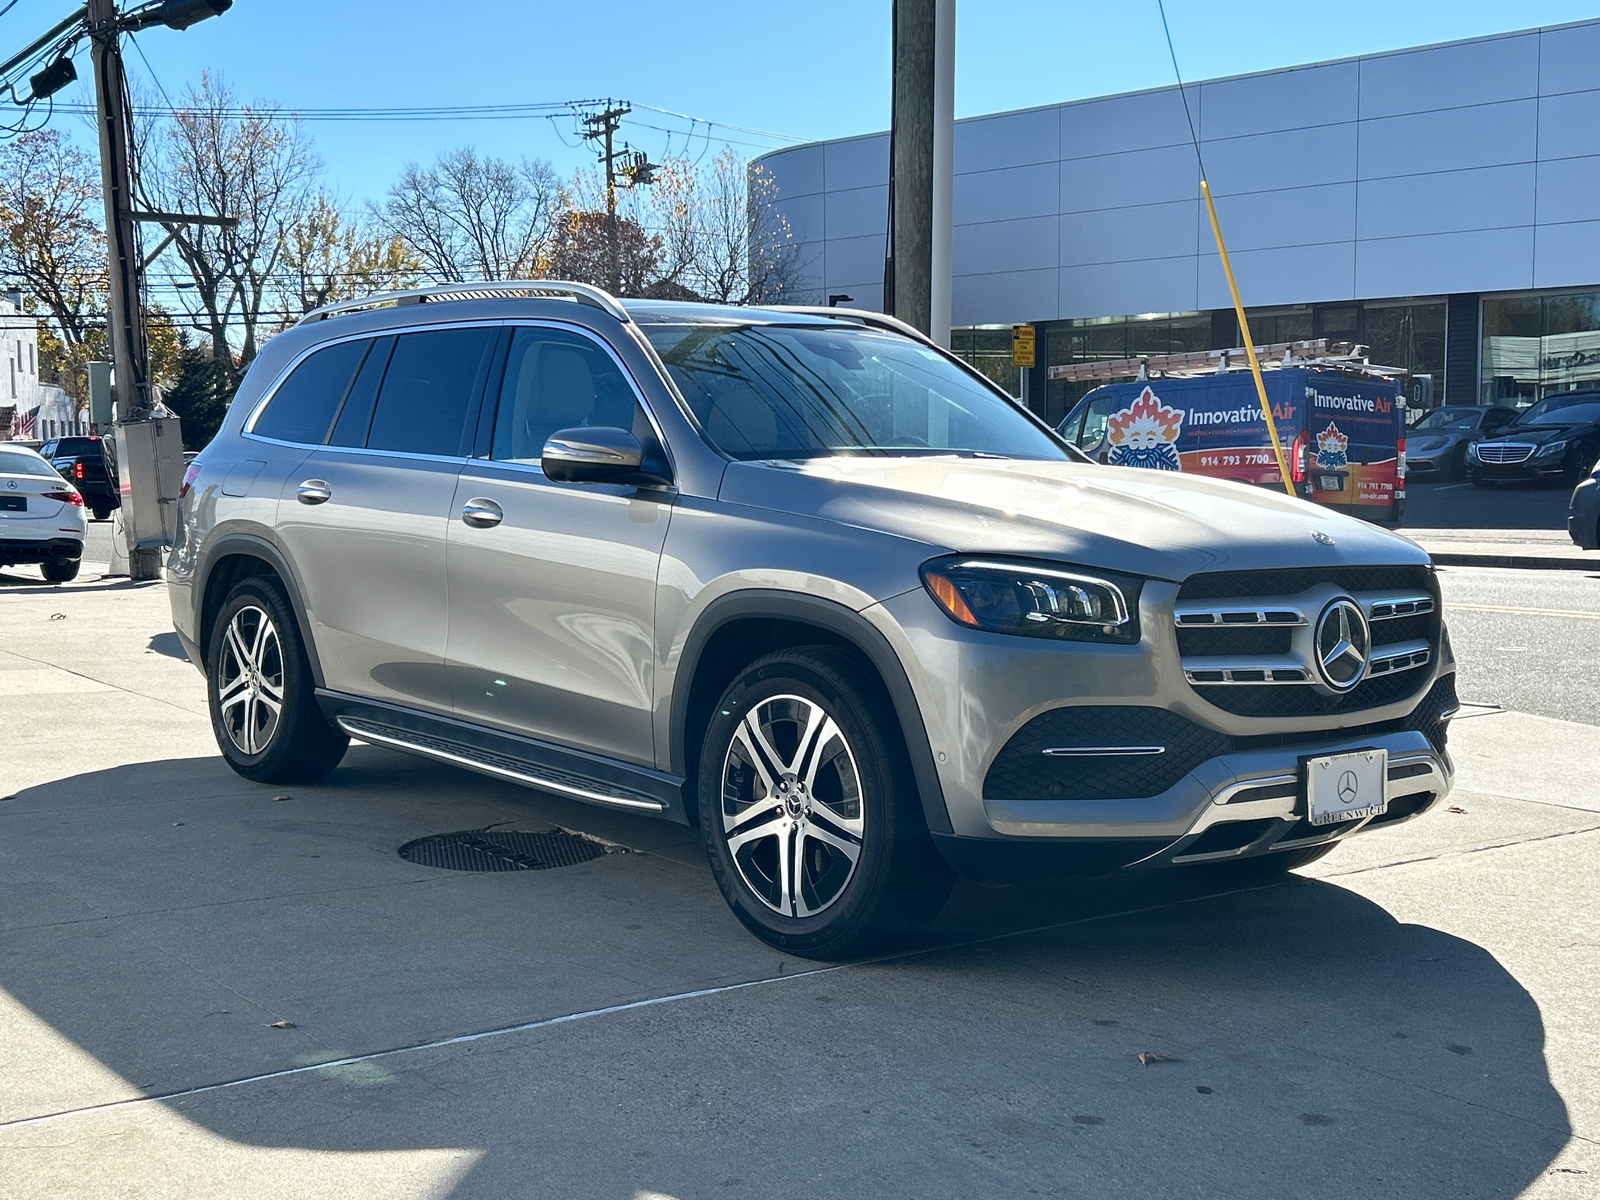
[[1342, 429]]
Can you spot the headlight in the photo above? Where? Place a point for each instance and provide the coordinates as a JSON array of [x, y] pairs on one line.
[[1472, 451], [1034, 600], [1549, 449]]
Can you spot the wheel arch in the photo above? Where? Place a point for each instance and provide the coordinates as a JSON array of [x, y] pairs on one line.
[[738, 628], [236, 556]]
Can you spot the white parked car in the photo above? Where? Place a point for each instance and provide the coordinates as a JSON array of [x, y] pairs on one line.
[[41, 515]]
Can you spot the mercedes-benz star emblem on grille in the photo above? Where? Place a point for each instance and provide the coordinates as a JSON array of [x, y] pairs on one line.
[[1318, 535], [1349, 788], [1342, 645]]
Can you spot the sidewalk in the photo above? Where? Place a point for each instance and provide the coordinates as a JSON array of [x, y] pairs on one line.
[[1548, 549], [214, 988]]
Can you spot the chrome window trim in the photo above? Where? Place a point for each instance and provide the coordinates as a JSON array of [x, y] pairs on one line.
[[248, 428]]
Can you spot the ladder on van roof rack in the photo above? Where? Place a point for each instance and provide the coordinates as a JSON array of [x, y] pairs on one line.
[[1315, 352], [519, 289]]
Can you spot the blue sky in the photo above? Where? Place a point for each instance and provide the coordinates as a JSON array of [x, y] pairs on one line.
[[814, 69]]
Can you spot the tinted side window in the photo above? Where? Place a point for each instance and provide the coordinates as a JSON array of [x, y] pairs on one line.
[[558, 380], [428, 389], [304, 405], [350, 429], [1096, 416]]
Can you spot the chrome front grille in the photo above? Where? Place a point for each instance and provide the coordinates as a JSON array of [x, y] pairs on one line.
[[1504, 452], [1256, 655]]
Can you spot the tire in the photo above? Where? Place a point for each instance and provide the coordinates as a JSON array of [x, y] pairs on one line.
[[1458, 464], [59, 571], [257, 661], [846, 789], [101, 514]]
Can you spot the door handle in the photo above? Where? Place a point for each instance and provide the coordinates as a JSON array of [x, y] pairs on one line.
[[482, 513], [313, 491]]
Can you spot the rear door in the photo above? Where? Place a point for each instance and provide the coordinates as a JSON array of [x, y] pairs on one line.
[[363, 518], [552, 605]]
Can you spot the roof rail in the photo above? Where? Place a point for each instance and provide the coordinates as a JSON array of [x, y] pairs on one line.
[[861, 316], [532, 289]]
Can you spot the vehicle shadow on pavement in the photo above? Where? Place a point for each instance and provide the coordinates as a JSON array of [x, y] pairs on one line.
[[162, 916]]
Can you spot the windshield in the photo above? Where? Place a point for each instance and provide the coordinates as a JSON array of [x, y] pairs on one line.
[[1563, 410], [14, 461], [796, 392], [1450, 418]]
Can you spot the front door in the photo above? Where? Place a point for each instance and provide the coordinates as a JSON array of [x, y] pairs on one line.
[[552, 606], [364, 518]]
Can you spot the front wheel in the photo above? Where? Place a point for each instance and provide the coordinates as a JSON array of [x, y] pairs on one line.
[[810, 813], [261, 694]]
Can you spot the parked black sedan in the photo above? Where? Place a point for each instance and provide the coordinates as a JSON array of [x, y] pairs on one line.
[[1557, 438], [1436, 446]]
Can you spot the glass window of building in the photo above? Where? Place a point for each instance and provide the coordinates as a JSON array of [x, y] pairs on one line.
[[1536, 346]]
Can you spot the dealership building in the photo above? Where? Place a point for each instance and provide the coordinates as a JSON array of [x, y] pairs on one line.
[[1440, 205]]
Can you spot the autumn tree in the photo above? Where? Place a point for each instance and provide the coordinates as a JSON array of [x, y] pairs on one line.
[[330, 256], [467, 217], [248, 163], [51, 240]]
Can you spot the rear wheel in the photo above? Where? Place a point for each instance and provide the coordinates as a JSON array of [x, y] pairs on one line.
[[261, 694], [60, 571], [811, 816], [101, 514]]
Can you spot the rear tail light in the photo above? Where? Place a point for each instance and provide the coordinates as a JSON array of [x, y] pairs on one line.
[[70, 496], [190, 474], [1400, 459], [77, 470], [1297, 465]]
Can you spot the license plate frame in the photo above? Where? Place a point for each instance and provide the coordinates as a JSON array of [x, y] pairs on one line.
[[1330, 483], [1349, 786]]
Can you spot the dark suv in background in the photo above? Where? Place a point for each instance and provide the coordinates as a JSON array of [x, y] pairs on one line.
[[85, 463]]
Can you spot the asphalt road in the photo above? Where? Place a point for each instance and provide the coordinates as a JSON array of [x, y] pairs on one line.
[[1460, 505], [1526, 640]]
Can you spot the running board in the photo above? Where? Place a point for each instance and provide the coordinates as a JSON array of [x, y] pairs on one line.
[[569, 773]]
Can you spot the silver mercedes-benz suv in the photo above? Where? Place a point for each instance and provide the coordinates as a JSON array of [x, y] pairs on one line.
[[803, 579]]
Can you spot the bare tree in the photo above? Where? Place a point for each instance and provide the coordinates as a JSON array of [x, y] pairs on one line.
[[329, 256], [250, 163], [467, 217], [50, 236]]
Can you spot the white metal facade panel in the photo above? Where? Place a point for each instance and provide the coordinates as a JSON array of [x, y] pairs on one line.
[[1466, 167]]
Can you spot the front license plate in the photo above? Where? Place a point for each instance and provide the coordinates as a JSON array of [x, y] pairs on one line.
[[1347, 787]]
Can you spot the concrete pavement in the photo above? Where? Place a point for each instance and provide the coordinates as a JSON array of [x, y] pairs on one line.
[[1414, 1015]]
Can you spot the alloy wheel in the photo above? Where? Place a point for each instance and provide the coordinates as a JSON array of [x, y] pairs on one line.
[[792, 808], [250, 680]]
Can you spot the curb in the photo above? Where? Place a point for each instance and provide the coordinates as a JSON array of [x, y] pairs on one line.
[[1521, 562]]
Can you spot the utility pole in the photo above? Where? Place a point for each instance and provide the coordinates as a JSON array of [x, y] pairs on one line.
[[148, 441], [917, 276], [602, 127]]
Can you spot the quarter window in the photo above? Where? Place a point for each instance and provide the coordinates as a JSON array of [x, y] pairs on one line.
[[559, 380], [305, 403], [428, 390]]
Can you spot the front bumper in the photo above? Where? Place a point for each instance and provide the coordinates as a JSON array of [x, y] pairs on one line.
[[1528, 470], [1225, 783]]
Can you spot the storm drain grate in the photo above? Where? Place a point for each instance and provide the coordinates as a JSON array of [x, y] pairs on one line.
[[501, 850]]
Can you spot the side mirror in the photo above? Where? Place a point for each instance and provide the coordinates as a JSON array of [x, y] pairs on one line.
[[603, 454]]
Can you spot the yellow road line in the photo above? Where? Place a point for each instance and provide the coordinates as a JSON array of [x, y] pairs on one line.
[[1531, 612]]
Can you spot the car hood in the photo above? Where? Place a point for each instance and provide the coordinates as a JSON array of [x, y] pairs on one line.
[[1538, 435], [1155, 523]]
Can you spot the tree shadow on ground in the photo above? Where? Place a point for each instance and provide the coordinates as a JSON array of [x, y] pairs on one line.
[[1314, 1045]]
